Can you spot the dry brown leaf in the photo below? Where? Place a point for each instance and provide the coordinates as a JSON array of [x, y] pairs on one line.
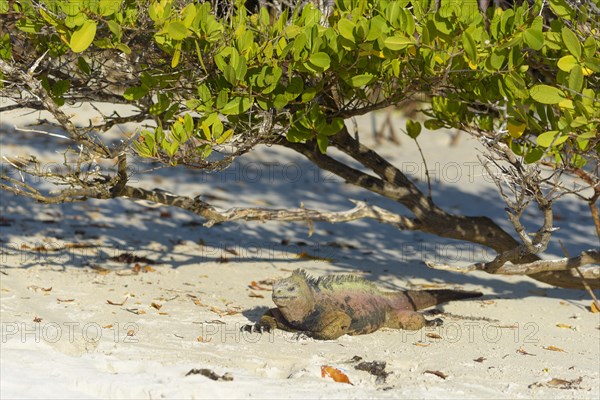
[[156, 305], [328, 371], [258, 295], [594, 308], [163, 313], [520, 350], [256, 286], [100, 270], [112, 303], [35, 288], [421, 344], [487, 302], [130, 332], [564, 326], [553, 348], [306, 256], [198, 303], [513, 326], [433, 335], [221, 312], [80, 245], [202, 340], [64, 300], [136, 311], [480, 359], [37, 319], [436, 373], [107, 326], [563, 383]]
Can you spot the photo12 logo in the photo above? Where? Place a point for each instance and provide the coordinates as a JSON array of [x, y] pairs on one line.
[[52, 332]]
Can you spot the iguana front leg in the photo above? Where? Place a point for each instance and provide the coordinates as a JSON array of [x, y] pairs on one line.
[[273, 319], [405, 319], [331, 326]]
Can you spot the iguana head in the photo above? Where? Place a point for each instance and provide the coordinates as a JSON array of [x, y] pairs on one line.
[[293, 296]]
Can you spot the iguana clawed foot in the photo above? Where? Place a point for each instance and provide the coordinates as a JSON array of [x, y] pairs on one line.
[[434, 322]]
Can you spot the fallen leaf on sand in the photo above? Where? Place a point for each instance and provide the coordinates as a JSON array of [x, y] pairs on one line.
[[130, 332], [559, 383], [35, 288], [306, 256], [328, 371], [136, 311], [80, 245], [480, 359], [594, 308], [520, 350], [64, 300], [112, 303], [128, 258], [37, 319], [254, 294], [421, 344], [565, 326], [436, 373], [256, 286], [210, 374], [107, 326], [433, 335], [202, 340], [224, 312], [100, 270], [553, 348], [156, 305]]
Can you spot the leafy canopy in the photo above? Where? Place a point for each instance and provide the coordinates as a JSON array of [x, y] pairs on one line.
[[527, 75]]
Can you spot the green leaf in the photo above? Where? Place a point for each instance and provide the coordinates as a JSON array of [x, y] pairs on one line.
[[470, 46], [561, 9], [546, 94], [413, 128], [334, 127], [115, 28], [83, 65], [83, 37], [236, 106], [534, 37], [589, 46], [546, 138], [576, 79], [320, 60], [322, 142], [346, 27], [135, 93], [534, 155], [361, 80], [566, 63], [177, 30], [397, 42], [571, 42]]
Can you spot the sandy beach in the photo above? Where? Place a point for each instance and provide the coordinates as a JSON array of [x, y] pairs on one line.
[[116, 299]]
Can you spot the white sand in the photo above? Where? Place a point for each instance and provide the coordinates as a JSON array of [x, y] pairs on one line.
[[80, 347]]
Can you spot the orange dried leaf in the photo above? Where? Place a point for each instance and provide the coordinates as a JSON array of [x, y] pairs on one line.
[[130, 332], [202, 340], [594, 307], [156, 305], [553, 348], [328, 371], [421, 344], [107, 326], [520, 350], [434, 336], [256, 286], [565, 326], [198, 303], [112, 303]]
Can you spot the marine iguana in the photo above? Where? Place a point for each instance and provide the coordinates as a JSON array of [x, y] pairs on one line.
[[331, 306]]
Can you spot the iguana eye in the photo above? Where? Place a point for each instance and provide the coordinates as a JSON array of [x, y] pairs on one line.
[[291, 289]]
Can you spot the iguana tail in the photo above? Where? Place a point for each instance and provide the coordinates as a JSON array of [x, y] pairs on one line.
[[420, 299]]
